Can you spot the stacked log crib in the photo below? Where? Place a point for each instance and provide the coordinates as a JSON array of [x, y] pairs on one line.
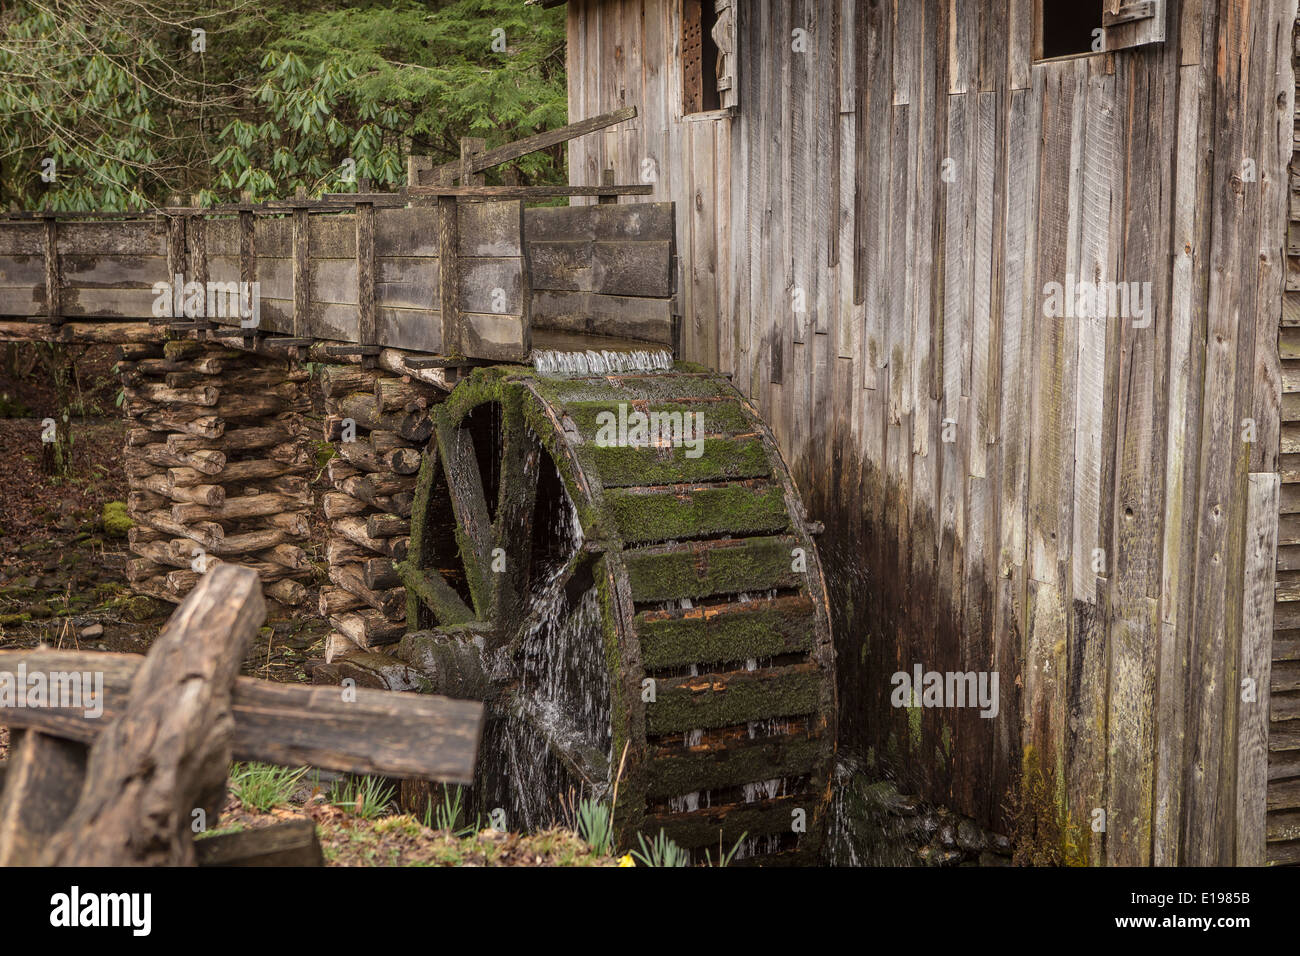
[[378, 423], [218, 461]]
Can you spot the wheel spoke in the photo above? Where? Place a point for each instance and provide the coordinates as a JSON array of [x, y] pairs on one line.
[[516, 508], [473, 528], [436, 594]]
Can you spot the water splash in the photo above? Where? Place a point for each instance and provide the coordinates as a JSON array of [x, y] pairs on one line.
[[552, 362], [565, 677]]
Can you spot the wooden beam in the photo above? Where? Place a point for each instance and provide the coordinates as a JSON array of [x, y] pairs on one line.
[[52, 305], [247, 248], [607, 179], [197, 247], [530, 144], [528, 192], [365, 225], [471, 147], [380, 732], [301, 273], [99, 333], [175, 248], [291, 843], [449, 276]]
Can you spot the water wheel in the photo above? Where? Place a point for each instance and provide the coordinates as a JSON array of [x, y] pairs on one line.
[[647, 620]]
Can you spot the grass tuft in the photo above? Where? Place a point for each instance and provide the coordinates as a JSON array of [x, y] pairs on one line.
[[661, 851], [367, 797], [263, 786]]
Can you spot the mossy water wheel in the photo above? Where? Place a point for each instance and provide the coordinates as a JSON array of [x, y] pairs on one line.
[[647, 614]]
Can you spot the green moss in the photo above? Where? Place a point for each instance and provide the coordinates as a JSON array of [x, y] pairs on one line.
[[745, 696], [720, 459], [651, 389], [116, 521], [719, 417], [730, 509], [741, 632], [324, 452], [1040, 825], [756, 564]]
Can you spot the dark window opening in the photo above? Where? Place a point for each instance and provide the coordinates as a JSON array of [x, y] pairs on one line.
[[1068, 28], [699, 57]]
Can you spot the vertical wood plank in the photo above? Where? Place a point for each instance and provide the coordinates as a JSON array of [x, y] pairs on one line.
[[1215, 630], [1099, 164], [176, 247], [963, 63], [365, 239], [724, 273], [453, 338], [575, 33], [53, 280], [704, 247], [800, 181], [1276, 142], [1256, 666], [1179, 545], [247, 247], [1020, 43], [905, 40], [871, 216], [898, 306], [302, 274], [982, 280]]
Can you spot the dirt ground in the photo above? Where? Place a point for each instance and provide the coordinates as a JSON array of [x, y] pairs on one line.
[[401, 840], [62, 580]]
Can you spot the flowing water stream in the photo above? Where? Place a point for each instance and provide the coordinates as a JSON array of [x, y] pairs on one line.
[[551, 362]]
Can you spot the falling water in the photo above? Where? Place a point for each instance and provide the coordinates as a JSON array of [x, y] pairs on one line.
[[527, 779], [562, 705], [605, 362], [565, 678]]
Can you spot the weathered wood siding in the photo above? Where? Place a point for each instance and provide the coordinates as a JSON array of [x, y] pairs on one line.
[[602, 270], [1283, 759], [1072, 503]]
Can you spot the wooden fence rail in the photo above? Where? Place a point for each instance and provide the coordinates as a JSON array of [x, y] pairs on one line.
[[117, 778]]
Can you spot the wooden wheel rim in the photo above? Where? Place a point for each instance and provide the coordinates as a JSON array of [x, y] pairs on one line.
[[716, 641]]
